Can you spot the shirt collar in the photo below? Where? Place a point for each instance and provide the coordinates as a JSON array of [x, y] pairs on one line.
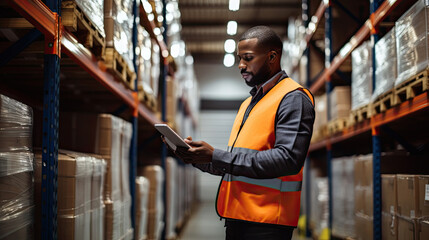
[[266, 87]]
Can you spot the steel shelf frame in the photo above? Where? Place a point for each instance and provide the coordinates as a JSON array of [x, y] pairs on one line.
[[379, 10], [57, 39]]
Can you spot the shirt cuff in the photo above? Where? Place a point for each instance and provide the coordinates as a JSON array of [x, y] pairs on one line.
[[221, 161]]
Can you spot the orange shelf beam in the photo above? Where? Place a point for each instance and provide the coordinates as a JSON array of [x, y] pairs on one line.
[[43, 19], [418, 103], [375, 18]]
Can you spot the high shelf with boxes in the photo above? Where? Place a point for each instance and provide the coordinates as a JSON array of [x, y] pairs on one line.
[[83, 112], [382, 129]]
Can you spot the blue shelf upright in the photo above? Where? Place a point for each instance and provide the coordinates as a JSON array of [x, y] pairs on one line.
[[50, 126]]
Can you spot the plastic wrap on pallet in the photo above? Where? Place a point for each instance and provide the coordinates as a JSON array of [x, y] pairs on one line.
[[119, 35], [142, 197], [113, 220], [15, 162], [340, 102], [385, 64], [97, 205], [319, 204], [145, 44], [16, 205], [93, 9], [172, 198], [16, 125], [412, 41], [155, 175], [343, 197], [361, 75], [126, 135]]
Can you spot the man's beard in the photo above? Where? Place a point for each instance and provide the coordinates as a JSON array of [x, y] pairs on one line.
[[260, 77]]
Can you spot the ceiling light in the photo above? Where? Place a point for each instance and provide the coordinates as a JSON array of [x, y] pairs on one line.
[[234, 5], [231, 29], [229, 46], [228, 60]]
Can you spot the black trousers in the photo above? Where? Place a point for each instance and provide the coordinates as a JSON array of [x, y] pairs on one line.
[[242, 230]]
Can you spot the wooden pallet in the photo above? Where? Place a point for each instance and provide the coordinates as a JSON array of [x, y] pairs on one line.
[[320, 133], [75, 20], [360, 114], [382, 103], [147, 99], [411, 87], [337, 125], [117, 65]]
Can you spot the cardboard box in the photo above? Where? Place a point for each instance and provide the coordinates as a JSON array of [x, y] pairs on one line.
[[407, 195], [424, 229], [340, 104], [20, 227], [113, 220], [71, 227], [389, 226], [407, 229], [388, 193], [363, 170], [423, 196], [364, 227]]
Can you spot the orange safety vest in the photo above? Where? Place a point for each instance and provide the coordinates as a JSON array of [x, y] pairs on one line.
[[274, 201]]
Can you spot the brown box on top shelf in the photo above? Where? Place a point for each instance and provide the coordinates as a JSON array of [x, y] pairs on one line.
[[407, 195], [423, 195], [407, 229]]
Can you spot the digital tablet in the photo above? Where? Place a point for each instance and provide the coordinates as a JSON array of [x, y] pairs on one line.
[[171, 137]]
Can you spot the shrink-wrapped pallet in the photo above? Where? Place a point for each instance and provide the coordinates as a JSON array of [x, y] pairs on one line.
[[361, 75], [126, 135], [412, 41], [145, 63], [155, 175], [385, 64], [119, 26], [79, 205], [97, 203], [343, 221], [319, 204], [142, 197], [16, 170], [172, 197]]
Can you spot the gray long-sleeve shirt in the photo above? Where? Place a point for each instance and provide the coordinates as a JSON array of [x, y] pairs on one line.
[[294, 127]]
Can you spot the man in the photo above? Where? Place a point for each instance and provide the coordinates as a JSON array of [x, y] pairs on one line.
[[259, 195]]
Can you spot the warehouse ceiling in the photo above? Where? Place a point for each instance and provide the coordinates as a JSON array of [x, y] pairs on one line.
[[204, 22]]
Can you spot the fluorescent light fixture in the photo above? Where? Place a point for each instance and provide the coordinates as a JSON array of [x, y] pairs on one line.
[[228, 60], [234, 5], [229, 46], [231, 28]]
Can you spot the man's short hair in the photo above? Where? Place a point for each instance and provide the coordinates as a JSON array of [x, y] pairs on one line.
[[266, 38]]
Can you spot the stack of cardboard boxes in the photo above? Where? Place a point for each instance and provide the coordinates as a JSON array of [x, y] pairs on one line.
[[16, 172], [109, 137], [405, 206]]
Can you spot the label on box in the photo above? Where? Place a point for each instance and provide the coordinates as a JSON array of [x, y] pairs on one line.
[[427, 193], [392, 209], [412, 214]]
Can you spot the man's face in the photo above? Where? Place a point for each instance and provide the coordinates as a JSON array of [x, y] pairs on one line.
[[253, 62]]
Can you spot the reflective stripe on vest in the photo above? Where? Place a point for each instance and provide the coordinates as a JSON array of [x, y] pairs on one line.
[[274, 183]]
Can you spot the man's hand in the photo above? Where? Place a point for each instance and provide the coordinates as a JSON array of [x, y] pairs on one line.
[[200, 152]]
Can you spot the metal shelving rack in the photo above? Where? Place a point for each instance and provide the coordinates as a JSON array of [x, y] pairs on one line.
[[47, 20], [379, 10]]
